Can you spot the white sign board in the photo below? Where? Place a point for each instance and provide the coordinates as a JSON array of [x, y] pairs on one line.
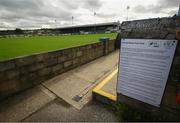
[[144, 68]]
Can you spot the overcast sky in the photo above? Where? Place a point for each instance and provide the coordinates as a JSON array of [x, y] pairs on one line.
[[58, 13]]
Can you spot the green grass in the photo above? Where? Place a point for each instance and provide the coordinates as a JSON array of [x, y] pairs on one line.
[[23, 46]]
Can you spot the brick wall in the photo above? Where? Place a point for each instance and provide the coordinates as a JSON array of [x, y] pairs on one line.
[[22, 73], [158, 28]]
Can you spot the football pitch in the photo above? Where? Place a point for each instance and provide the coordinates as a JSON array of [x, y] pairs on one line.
[[23, 46]]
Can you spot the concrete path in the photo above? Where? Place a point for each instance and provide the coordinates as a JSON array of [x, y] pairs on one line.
[[105, 91], [110, 87], [22, 105], [74, 87], [58, 110]]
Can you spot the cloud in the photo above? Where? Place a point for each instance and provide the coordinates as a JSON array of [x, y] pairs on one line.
[[43, 13], [169, 3], [162, 6], [92, 4], [5, 25], [106, 15], [37, 13]]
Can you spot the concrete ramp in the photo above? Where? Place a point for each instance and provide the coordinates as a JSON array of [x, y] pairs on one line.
[[75, 86]]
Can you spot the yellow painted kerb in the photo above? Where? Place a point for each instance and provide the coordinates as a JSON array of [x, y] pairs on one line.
[[98, 90]]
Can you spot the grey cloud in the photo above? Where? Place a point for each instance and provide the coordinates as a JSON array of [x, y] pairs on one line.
[[161, 6], [148, 9], [35, 8], [92, 4], [35, 13], [4, 25], [74, 4], [16, 5], [32, 13], [106, 15], [169, 3], [172, 12]]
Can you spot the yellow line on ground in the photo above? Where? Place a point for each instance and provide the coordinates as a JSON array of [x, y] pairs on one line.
[[101, 84], [98, 90], [105, 94]]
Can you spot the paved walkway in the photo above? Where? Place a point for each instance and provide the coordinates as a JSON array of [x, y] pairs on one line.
[[58, 110], [105, 91], [73, 88], [110, 87]]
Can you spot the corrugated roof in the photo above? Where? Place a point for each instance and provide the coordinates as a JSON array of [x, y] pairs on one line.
[[90, 25]]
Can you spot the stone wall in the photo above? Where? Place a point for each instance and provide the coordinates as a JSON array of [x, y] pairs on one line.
[[22, 73], [158, 28]]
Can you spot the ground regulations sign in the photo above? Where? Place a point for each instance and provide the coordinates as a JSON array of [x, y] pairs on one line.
[[144, 68]]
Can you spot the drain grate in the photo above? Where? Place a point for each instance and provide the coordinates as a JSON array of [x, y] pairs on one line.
[[77, 98]]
